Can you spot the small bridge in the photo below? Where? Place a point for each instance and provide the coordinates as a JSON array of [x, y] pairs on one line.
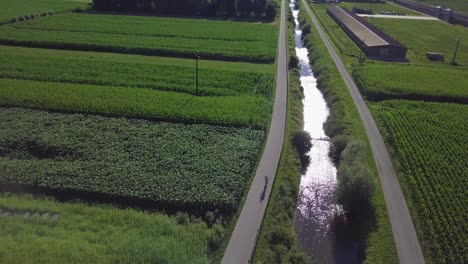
[[321, 139]]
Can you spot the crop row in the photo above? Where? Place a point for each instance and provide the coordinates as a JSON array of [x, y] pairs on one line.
[[169, 165], [157, 27], [239, 111], [118, 70], [431, 153], [382, 82], [171, 46]]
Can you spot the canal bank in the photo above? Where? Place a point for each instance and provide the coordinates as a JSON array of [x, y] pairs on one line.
[[317, 208]]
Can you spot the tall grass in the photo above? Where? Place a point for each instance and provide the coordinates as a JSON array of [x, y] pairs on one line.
[[98, 234]]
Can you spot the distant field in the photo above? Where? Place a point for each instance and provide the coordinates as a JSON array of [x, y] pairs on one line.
[[10, 9], [423, 36], [170, 165], [414, 82], [457, 5], [240, 110], [96, 234], [430, 144], [174, 37], [377, 7], [216, 78]]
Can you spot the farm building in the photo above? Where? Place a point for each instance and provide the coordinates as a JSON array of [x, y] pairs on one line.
[[446, 14], [373, 42]]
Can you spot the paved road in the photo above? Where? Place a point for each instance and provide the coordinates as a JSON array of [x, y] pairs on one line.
[[406, 241], [429, 18], [244, 237]]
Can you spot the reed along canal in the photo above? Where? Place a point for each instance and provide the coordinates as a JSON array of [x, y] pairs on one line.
[[316, 208]]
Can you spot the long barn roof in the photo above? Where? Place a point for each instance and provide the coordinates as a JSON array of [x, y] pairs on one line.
[[361, 31]]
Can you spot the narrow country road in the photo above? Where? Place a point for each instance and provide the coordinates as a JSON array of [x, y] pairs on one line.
[[404, 234], [243, 240]]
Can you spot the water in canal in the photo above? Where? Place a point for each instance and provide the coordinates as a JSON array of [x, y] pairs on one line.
[[316, 207]]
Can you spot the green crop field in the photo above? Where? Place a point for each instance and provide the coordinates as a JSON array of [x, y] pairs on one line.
[[176, 37], [241, 110], [424, 36], [216, 78], [10, 9], [415, 82], [175, 165], [96, 234], [378, 7], [430, 144]]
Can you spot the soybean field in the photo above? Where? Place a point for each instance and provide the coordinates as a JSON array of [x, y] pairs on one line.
[[172, 165]]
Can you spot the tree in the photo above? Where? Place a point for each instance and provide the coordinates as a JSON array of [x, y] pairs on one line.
[[355, 186], [259, 7], [270, 11]]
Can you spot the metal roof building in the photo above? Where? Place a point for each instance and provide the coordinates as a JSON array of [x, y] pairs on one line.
[[373, 42]]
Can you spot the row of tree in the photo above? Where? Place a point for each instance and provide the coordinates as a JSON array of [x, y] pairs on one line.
[[224, 8]]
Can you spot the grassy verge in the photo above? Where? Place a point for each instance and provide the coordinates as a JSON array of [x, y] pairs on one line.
[[277, 240], [344, 120]]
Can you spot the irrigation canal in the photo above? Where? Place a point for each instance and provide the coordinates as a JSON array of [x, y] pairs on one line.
[[316, 208]]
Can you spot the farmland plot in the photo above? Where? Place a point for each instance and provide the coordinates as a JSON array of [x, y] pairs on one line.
[[170, 165], [216, 78], [414, 82], [174, 37], [430, 145], [238, 111]]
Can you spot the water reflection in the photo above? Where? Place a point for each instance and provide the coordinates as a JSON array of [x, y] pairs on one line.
[[318, 218]]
